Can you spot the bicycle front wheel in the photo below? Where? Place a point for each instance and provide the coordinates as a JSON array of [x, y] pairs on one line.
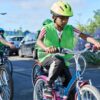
[[36, 71], [6, 84], [88, 92]]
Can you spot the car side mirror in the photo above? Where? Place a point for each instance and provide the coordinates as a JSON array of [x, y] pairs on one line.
[[23, 41]]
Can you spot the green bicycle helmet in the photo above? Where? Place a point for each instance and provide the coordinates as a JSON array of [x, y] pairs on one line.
[[61, 9]]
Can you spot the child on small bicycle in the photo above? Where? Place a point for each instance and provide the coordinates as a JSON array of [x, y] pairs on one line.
[[54, 35]]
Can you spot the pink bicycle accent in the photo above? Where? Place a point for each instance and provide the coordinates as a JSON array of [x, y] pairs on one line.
[[56, 96]]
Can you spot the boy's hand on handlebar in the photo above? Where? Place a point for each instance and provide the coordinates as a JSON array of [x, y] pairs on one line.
[[97, 45], [92, 47], [51, 49]]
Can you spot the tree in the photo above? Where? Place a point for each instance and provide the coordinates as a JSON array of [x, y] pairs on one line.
[[97, 33], [93, 23], [81, 27], [26, 32], [19, 31]]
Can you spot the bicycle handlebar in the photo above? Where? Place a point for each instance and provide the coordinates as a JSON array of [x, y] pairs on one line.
[[69, 51]]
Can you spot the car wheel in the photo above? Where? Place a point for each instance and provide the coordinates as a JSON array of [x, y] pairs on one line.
[[9, 52], [35, 54], [20, 53], [16, 52]]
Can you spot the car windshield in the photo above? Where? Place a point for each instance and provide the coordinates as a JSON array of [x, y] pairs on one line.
[[30, 37], [14, 38], [8, 39]]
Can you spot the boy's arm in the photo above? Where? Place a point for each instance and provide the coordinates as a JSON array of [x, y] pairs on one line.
[[87, 38], [42, 45], [6, 43], [40, 39]]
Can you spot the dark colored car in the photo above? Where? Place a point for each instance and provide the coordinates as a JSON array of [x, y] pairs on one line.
[[93, 57], [27, 45], [15, 40]]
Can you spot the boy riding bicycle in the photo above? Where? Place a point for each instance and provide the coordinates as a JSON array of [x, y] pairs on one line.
[[54, 35]]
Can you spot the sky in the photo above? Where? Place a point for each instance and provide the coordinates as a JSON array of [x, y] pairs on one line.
[[29, 14]]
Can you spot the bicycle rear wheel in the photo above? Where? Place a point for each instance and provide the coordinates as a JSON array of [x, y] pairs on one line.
[[38, 90], [89, 92], [6, 84], [36, 71]]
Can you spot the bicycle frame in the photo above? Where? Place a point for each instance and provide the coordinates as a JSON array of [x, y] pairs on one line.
[[76, 78]]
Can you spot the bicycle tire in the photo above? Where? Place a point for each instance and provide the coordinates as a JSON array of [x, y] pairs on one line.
[[11, 83], [35, 73], [6, 83], [88, 92], [8, 64], [38, 90]]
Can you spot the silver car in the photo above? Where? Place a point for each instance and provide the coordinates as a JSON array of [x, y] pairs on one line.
[[26, 46]]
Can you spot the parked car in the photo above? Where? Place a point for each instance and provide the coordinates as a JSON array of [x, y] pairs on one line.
[[14, 40], [27, 45], [93, 57]]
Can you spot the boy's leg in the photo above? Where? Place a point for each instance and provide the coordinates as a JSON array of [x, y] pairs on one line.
[[48, 88], [66, 78], [54, 65]]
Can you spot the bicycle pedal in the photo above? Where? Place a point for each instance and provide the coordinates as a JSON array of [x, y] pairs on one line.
[[65, 97], [47, 97]]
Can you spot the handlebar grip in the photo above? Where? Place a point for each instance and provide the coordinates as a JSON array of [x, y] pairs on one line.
[[62, 50], [91, 47]]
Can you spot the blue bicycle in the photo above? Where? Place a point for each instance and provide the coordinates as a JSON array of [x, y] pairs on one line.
[[84, 89]]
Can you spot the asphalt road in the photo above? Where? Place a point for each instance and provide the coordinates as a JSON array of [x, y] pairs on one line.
[[22, 77]]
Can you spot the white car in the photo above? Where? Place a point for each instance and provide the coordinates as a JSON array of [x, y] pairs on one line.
[[27, 44]]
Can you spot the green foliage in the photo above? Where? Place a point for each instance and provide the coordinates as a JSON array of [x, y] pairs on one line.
[[93, 23], [19, 31], [81, 27]]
